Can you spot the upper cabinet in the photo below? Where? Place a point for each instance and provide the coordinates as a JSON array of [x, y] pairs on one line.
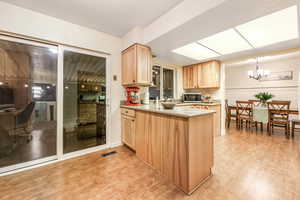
[[202, 75], [136, 65]]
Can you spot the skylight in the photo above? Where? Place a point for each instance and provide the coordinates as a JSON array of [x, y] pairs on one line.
[[276, 27], [270, 29], [195, 51], [226, 42]]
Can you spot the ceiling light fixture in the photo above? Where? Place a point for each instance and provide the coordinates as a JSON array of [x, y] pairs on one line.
[[196, 51], [226, 42], [259, 72], [274, 28]]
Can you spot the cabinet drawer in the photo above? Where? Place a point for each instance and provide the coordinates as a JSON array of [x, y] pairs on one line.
[[128, 112]]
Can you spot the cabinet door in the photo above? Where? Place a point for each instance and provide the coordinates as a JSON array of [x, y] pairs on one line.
[[128, 131], [199, 75], [129, 66], [185, 78], [194, 76], [190, 77], [210, 74], [144, 65]]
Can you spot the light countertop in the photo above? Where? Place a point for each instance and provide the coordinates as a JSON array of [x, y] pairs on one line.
[[177, 111], [200, 103]]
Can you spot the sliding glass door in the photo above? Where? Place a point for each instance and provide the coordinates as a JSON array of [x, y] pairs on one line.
[[84, 108], [28, 128], [53, 102]]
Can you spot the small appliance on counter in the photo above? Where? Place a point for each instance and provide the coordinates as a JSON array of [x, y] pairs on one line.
[[132, 96], [191, 97], [207, 99]]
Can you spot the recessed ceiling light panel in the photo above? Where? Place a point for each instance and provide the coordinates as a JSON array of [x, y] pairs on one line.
[[270, 29], [195, 51], [226, 42]]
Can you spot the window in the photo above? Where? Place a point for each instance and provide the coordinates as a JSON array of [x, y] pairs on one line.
[[163, 80]]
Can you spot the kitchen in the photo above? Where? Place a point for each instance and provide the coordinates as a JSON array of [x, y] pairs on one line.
[[175, 100], [192, 124]]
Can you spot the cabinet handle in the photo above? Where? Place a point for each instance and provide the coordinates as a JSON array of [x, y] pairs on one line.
[[133, 81]]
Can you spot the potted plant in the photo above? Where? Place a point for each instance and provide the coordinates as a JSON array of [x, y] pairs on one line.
[[264, 97]]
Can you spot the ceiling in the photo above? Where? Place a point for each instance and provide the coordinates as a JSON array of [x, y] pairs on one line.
[[116, 17], [227, 15]]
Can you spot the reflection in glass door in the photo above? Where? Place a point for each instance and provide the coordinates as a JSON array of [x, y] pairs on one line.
[[84, 108], [28, 74]]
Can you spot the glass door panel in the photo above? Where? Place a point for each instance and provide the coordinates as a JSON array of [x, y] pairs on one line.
[[28, 75], [84, 109], [168, 83]]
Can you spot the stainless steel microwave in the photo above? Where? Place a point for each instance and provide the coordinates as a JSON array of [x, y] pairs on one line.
[[191, 97]]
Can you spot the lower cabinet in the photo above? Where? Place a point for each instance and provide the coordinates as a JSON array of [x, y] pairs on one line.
[[128, 131], [181, 149], [217, 116]]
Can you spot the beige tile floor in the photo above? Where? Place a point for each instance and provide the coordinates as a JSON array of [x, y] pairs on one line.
[[248, 166]]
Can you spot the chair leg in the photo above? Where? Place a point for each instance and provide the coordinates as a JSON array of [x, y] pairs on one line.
[[293, 129], [261, 127], [228, 122]]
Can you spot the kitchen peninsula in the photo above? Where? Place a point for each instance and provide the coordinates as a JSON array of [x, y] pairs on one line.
[[177, 143]]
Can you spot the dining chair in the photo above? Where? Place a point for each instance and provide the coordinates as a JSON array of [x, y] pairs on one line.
[[279, 115], [244, 113], [257, 103], [22, 120], [295, 122], [230, 113]]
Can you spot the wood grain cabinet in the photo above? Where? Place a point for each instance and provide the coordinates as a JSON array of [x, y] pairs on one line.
[[128, 128], [202, 75], [181, 149], [217, 116], [137, 65]]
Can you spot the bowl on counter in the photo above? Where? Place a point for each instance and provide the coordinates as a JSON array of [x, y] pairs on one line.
[[168, 105]]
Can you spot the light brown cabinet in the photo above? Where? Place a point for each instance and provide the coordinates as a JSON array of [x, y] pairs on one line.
[[181, 149], [136, 65], [128, 128], [217, 116], [202, 75]]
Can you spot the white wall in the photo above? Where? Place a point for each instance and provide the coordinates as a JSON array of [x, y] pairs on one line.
[[133, 36], [180, 14], [26, 22], [240, 87]]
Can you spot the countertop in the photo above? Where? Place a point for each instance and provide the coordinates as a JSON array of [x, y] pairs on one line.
[[177, 111], [200, 103]]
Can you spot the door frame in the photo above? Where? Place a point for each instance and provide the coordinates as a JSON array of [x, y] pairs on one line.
[[59, 108], [29, 164], [60, 82]]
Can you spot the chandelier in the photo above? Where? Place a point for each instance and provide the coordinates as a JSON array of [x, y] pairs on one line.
[[259, 72]]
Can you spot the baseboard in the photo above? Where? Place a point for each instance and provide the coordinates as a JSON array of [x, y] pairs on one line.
[[115, 144]]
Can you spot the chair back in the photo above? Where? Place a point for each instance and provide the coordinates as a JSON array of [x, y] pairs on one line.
[[24, 116], [255, 102], [279, 110], [226, 107], [244, 108]]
